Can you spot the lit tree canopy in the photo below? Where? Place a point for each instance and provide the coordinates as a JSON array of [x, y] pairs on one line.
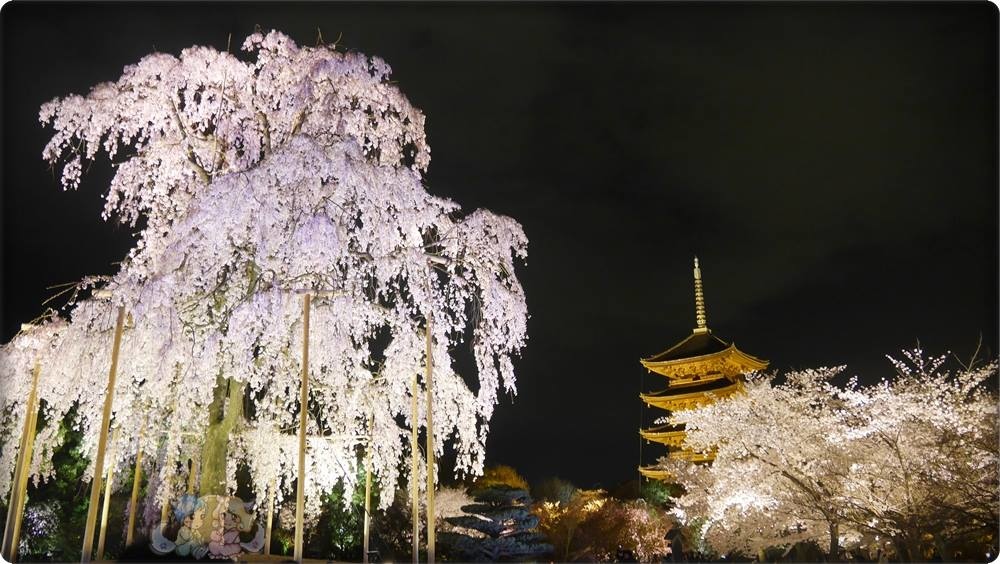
[[780, 457], [809, 460], [591, 526], [249, 181]]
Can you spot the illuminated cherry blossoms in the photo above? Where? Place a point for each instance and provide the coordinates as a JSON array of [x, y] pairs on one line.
[[908, 463], [249, 183]]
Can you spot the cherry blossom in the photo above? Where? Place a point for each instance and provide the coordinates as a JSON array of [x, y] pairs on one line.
[[901, 461], [251, 182]]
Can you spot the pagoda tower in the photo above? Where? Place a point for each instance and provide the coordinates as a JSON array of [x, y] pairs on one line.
[[698, 370]]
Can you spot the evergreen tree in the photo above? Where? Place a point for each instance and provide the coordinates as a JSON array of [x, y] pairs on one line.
[[501, 528]]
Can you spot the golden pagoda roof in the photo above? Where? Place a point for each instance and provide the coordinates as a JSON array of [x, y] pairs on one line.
[[702, 353], [654, 473], [694, 345], [667, 435], [692, 456], [670, 401]]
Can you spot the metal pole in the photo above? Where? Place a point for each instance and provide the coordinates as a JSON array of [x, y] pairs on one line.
[[136, 479], [270, 517], [102, 439], [108, 483], [18, 489], [429, 382], [368, 489], [414, 473], [303, 413]]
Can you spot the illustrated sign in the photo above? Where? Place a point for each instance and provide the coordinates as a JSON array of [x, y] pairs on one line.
[[216, 526]]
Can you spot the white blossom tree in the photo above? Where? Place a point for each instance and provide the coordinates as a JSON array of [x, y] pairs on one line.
[[291, 169], [780, 460], [928, 460], [808, 460]]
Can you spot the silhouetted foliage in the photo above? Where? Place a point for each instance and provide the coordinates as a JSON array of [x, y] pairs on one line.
[[553, 489], [500, 528], [500, 476]]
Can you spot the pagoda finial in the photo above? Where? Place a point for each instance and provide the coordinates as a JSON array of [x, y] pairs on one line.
[[699, 301]]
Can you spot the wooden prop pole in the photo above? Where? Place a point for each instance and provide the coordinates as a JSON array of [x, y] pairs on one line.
[[171, 465], [414, 473], [19, 487], [108, 483], [25, 474], [14, 500], [102, 440], [429, 382], [270, 517], [165, 503], [368, 490], [136, 479], [303, 413]]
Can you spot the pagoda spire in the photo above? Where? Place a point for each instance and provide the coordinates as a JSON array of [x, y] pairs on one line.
[[699, 301]]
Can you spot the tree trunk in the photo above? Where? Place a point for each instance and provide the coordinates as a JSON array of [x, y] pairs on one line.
[[913, 547], [834, 542], [802, 552], [908, 548], [221, 420], [944, 549]]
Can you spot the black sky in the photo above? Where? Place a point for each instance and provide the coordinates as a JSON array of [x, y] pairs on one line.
[[834, 166]]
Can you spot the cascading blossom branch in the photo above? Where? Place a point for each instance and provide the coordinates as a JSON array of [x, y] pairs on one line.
[[180, 122], [297, 171]]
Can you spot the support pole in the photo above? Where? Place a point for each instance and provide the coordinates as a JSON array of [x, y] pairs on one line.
[[19, 487], [25, 474], [171, 465], [270, 517], [14, 500], [136, 479], [102, 440], [165, 503], [414, 473], [368, 490], [303, 413], [429, 382], [108, 483]]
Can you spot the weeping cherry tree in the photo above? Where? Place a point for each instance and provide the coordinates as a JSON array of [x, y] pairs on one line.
[[251, 181]]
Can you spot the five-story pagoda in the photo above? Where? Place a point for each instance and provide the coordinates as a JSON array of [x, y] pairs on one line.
[[699, 370]]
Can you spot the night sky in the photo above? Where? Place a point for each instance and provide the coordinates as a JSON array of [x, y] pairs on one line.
[[834, 167]]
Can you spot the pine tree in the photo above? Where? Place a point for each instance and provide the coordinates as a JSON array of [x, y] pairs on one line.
[[501, 528]]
